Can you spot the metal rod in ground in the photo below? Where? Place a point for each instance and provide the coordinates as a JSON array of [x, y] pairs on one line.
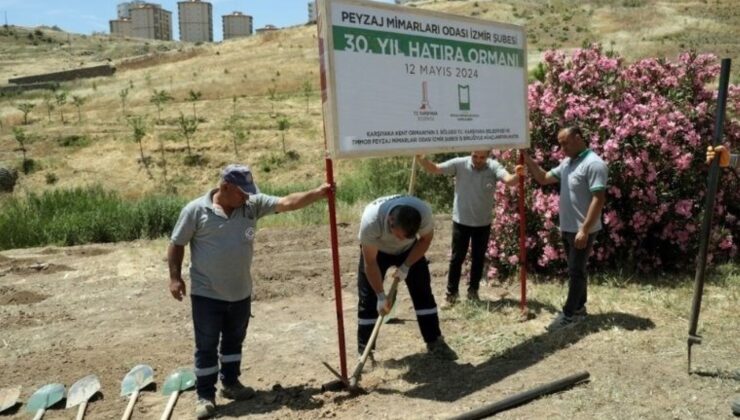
[[334, 236], [706, 226], [522, 243], [523, 397]]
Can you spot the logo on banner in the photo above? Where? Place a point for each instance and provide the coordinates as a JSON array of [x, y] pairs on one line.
[[424, 96], [463, 97], [425, 112]]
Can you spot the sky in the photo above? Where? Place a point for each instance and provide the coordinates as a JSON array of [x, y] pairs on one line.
[[88, 16]]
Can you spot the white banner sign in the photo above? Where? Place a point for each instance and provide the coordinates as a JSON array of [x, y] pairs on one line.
[[397, 80]]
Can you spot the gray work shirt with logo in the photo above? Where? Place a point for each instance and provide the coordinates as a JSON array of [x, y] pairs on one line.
[[376, 231], [221, 247], [579, 179], [475, 190]]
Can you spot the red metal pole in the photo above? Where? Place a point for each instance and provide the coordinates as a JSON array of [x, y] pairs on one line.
[[335, 265], [522, 242], [332, 209]]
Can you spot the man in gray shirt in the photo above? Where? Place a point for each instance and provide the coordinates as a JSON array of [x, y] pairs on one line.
[[472, 212], [220, 228], [397, 231], [583, 179]]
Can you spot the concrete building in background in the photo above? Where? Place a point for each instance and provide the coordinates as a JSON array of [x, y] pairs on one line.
[[196, 21], [120, 27], [267, 28], [236, 25], [124, 9], [311, 11], [151, 22]]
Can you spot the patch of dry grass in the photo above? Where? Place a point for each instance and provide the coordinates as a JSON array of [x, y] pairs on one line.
[[646, 324]]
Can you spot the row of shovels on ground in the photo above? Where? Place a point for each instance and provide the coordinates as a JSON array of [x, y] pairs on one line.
[[81, 391]]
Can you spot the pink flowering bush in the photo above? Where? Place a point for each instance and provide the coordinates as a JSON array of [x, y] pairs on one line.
[[651, 121]]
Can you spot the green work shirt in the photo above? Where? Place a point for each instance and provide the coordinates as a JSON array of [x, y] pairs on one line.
[[579, 179], [475, 190], [221, 246]]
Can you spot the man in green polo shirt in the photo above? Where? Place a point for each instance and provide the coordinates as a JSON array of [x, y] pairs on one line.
[[583, 179], [472, 212], [220, 228]]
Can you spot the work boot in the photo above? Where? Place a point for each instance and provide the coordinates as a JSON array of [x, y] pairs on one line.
[[439, 349], [237, 391], [581, 313], [562, 321], [205, 408]]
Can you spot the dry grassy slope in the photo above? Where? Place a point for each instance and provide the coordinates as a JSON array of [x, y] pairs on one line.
[[247, 68]]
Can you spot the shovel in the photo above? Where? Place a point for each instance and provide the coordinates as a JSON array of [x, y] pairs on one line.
[[137, 379], [9, 397], [178, 381], [43, 398], [354, 379], [80, 392]]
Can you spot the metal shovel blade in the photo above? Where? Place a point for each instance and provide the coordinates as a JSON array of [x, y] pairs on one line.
[[179, 380], [9, 397], [136, 379], [82, 390], [45, 397]]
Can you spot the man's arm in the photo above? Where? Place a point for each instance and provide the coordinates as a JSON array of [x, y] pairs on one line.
[[372, 269], [428, 166], [420, 249], [512, 180], [594, 210], [539, 174], [299, 200], [175, 255]]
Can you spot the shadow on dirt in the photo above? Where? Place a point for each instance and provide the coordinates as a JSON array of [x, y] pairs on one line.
[[297, 398], [436, 379]]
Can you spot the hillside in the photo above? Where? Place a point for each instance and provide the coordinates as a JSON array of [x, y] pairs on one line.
[[262, 79]]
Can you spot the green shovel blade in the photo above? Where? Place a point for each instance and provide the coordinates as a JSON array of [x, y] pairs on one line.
[[179, 380], [82, 390], [45, 397], [136, 379]]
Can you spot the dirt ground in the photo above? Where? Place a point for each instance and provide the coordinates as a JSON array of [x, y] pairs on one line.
[[69, 312]]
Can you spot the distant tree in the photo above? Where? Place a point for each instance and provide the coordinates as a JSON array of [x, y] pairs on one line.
[[272, 95], [123, 94], [307, 91], [22, 139], [159, 98], [233, 105], [25, 108], [138, 132], [61, 99], [48, 102], [188, 127], [78, 101], [194, 97], [283, 125], [238, 133]]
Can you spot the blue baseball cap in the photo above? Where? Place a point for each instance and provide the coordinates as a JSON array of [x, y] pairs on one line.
[[241, 176]]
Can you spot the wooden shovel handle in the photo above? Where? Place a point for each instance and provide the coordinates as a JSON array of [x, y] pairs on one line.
[[170, 406], [130, 406], [369, 346], [81, 411]]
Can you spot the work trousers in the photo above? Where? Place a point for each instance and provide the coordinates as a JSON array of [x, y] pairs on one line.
[[217, 321], [419, 285]]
